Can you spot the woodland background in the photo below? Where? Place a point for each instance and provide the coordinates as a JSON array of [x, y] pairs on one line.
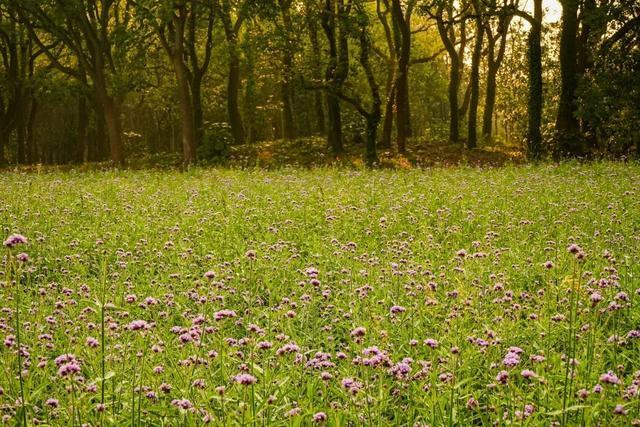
[[191, 80]]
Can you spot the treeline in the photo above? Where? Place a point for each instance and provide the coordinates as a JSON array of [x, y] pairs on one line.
[[95, 80]]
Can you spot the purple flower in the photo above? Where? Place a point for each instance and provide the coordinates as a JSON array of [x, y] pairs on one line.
[[184, 404], [69, 369], [222, 314], [319, 417], [619, 410], [22, 257], [358, 332], [14, 240], [138, 325], [526, 373], [502, 377], [53, 403], [610, 378], [512, 358], [397, 309], [245, 379], [573, 248], [431, 342]]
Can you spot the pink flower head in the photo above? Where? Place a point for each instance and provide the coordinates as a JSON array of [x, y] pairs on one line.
[[14, 240]]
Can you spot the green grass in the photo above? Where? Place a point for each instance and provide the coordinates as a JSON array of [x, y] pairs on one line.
[[378, 239]]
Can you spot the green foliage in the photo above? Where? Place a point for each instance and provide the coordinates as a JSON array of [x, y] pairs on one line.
[[216, 142]]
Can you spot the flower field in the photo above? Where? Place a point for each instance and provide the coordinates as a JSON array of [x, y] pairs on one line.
[[346, 298]]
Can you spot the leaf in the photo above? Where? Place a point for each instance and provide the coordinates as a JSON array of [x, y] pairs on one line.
[[569, 409]]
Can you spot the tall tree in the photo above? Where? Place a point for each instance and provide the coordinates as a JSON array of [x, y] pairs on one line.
[[402, 29], [567, 127], [171, 32], [288, 124], [17, 86], [475, 75], [391, 60], [233, 15], [335, 25], [316, 72], [102, 36], [448, 15], [496, 47]]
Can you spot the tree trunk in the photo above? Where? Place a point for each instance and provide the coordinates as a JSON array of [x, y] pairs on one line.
[[567, 128], [371, 155], [186, 113], [489, 103], [335, 124], [454, 85], [475, 82], [317, 73], [336, 71], [31, 137], [111, 111], [233, 88], [387, 126], [402, 78], [21, 131], [534, 106], [288, 124], [196, 101], [4, 138], [80, 154]]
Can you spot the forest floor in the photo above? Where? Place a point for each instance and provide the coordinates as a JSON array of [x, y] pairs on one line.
[[313, 152]]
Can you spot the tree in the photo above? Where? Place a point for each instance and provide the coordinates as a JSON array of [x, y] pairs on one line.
[[335, 26], [567, 127], [101, 35], [475, 76], [312, 28], [447, 16], [17, 92], [233, 16], [171, 32], [496, 47], [288, 124], [185, 31], [402, 36]]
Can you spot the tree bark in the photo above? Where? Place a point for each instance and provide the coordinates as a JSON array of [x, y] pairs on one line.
[[233, 89], [196, 100], [567, 129], [336, 71], [534, 135], [494, 60], [288, 122], [80, 154], [387, 126], [31, 137], [316, 73], [475, 80], [447, 35], [454, 85], [402, 78], [111, 110]]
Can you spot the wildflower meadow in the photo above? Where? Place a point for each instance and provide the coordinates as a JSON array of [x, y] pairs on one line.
[[444, 297]]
